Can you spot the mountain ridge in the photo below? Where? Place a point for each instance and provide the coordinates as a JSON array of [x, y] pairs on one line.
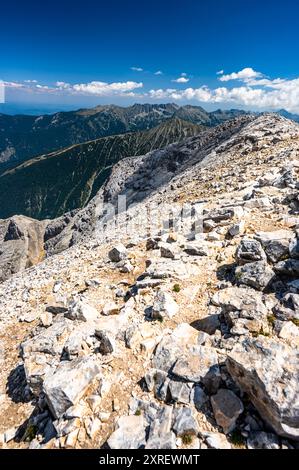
[[23, 137], [49, 185], [180, 325]]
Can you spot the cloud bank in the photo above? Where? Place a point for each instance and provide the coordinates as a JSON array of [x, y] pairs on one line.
[[245, 88], [254, 90]]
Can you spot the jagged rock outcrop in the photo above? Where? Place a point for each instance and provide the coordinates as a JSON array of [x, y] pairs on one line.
[[268, 372], [21, 244]]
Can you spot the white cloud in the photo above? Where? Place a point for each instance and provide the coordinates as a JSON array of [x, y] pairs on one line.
[[245, 74], [42, 87], [254, 93], [63, 85], [183, 74], [137, 69], [14, 85], [160, 94], [220, 72], [181, 80], [30, 81], [159, 72], [92, 88], [105, 89]]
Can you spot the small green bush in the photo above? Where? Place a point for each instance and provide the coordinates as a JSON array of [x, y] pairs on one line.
[[187, 439]]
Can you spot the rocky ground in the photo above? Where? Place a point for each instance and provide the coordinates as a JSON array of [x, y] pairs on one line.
[[165, 338]]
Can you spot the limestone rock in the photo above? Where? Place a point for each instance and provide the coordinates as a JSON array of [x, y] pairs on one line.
[[196, 249], [262, 440], [180, 392], [107, 342], [21, 244], [257, 275], [185, 423], [267, 371], [80, 310], [199, 397], [168, 250], [46, 319], [162, 441], [243, 309], [130, 433], [294, 248], [111, 309], [290, 332], [49, 341], [118, 253], [242, 299], [276, 244], [289, 267], [164, 305], [226, 407], [199, 363], [237, 229], [216, 440], [208, 324], [66, 385], [173, 345], [249, 251]]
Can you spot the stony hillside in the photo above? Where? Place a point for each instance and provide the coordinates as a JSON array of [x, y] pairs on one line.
[[23, 137], [50, 185], [181, 334]]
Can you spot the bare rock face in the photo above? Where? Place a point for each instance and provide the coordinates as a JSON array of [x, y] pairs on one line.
[[130, 433], [276, 244], [249, 251], [66, 385], [268, 371], [164, 305], [118, 253], [21, 244], [243, 309], [227, 407], [257, 275]]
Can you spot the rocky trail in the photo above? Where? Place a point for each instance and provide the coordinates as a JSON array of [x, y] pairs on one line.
[[167, 338]]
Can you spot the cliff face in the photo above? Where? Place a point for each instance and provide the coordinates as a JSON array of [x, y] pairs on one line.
[[164, 328]]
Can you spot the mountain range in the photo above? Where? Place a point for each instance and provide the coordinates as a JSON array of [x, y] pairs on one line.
[[50, 185], [52, 164], [23, 136]]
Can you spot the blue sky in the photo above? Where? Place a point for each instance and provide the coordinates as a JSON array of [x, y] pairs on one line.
[[59, 54]]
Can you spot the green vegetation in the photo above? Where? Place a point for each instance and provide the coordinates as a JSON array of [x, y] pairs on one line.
[[50, 185], [261, 332], [176, 288], [187, 439], [30, 433], [271, 320]]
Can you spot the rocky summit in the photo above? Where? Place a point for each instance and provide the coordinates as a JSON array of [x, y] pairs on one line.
[[165, 313]]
